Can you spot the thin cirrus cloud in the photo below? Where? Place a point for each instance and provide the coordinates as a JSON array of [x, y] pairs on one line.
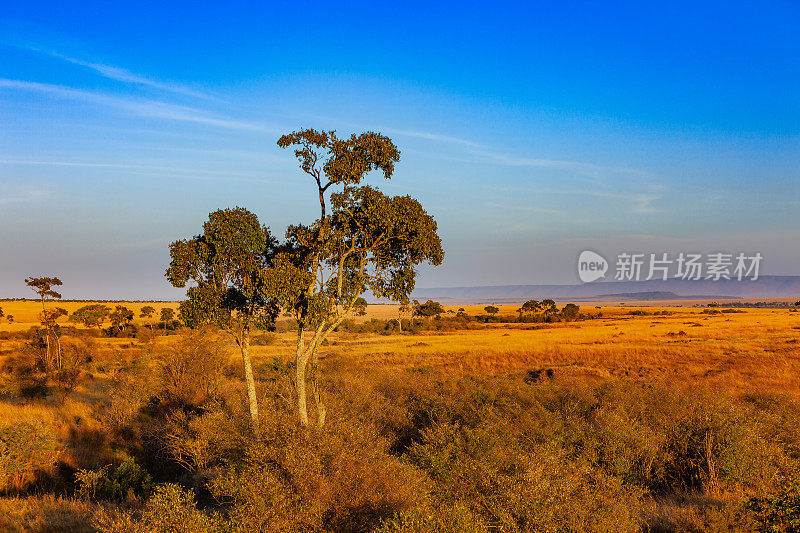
[[119, 74], [137, 106]]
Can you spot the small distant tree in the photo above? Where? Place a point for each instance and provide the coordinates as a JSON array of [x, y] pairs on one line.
[[91, 316], [530, 307], [428, 309], [570, 311], [491, 310], [43, 286], [121, 317], [10, 319], [360, 306], [549, 307], [797, 303], [167, 315], [1, 313], [227, 266], [147, 311]]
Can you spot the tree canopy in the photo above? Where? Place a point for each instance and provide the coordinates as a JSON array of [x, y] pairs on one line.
[[91, 315], [428, 309]]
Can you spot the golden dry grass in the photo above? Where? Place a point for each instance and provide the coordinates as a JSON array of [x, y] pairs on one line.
[[751, 349], [755, 350]]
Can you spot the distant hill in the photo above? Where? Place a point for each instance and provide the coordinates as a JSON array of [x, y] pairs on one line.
[[671, 289]]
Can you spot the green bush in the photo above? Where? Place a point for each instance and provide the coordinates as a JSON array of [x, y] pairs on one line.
[[128, 481], [170, 510], [24, 449], [780, 511]]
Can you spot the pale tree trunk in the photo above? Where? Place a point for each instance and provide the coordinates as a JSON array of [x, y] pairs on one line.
[[301, 360], [244, 346]]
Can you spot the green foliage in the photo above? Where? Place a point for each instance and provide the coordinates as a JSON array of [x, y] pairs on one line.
[[127, 481], [167, 314], [428, 309], [571, 311], [171, 509], [360, 306], [226, 264], [444, 518], [491, 310], [25, 448], [530, 307], [343, 161], [780, 511], [44, 287], [121, 317], [91, 315], [147, 311]]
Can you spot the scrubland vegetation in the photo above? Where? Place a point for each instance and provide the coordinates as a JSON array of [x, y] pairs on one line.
[[664, 420]]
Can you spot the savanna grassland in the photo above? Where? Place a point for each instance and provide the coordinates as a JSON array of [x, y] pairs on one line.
[[623, 419]]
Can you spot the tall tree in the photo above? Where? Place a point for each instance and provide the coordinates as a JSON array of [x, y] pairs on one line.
[[227, 264], [364, 240], [43, 286]]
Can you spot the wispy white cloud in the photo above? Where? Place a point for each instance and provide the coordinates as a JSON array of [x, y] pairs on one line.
[[136, 106], [119, 74], [432, 137]]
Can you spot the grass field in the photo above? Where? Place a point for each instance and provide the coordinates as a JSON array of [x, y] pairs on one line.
[[605, 372]]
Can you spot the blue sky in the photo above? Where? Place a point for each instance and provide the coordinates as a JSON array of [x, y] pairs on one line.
[[530, 131]]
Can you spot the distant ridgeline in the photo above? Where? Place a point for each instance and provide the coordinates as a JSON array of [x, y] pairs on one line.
[[671, 289]]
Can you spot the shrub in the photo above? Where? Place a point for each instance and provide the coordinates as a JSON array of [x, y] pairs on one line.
[[128, 481], [190, 370], [24, 449], [519, 490], [780, 511], [340, 479], [170, 510], [455, 518]]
